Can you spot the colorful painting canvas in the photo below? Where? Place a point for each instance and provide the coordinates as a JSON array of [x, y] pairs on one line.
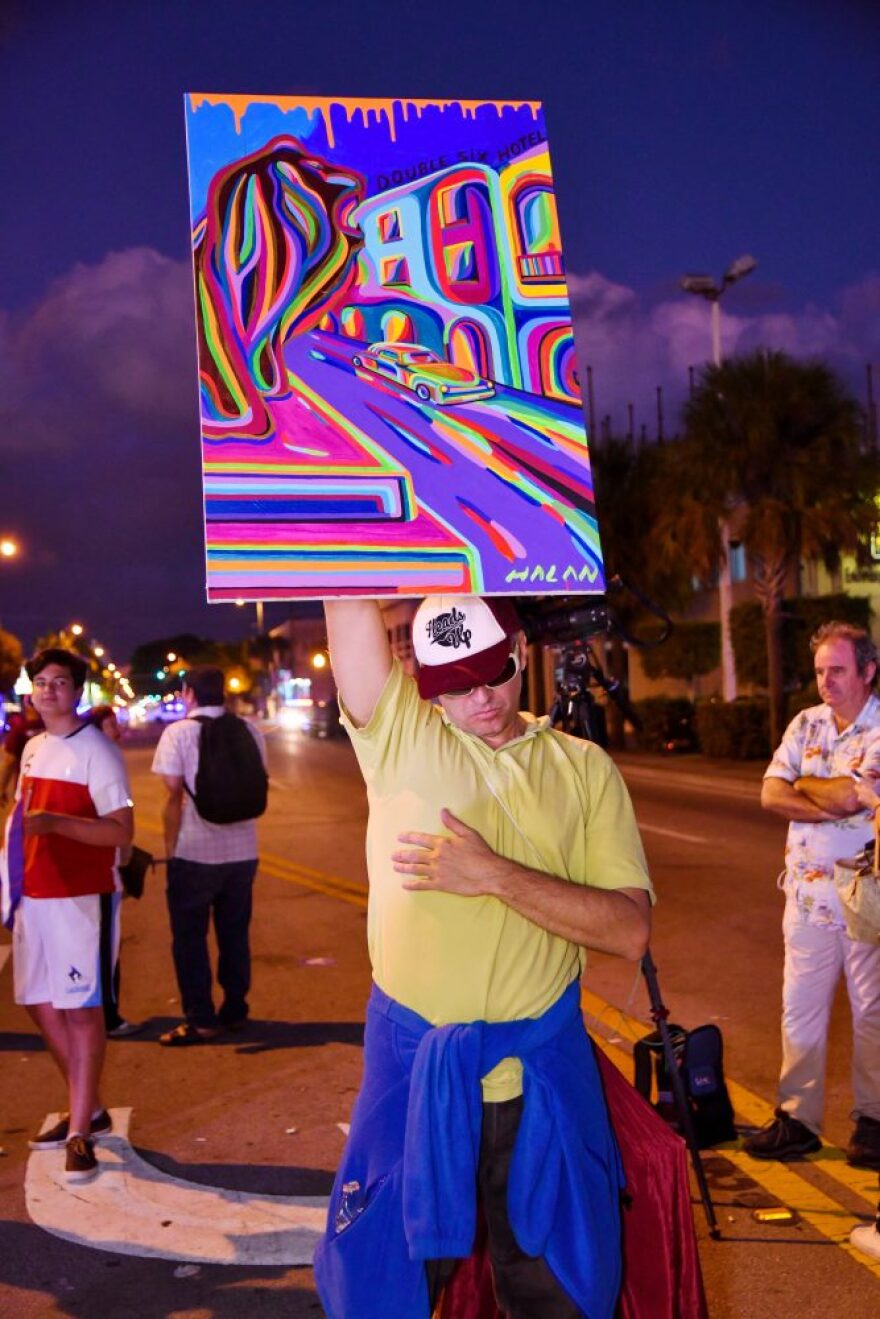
[[388, 383]]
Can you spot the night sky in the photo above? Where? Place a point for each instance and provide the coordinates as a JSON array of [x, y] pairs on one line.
[[682, 134]]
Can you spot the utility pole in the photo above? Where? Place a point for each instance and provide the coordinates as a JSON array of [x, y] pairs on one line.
[[660, 414], [704, 286]]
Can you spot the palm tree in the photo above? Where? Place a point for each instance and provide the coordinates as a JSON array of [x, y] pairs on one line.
[[628, 478], [777, 447]]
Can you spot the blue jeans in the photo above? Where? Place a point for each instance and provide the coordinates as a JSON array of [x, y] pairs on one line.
[[195, 893]]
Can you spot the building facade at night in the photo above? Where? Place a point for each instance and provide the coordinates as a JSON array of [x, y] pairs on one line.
[[468, 263]]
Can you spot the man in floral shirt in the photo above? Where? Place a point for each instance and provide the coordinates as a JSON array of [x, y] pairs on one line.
[[809, 782]]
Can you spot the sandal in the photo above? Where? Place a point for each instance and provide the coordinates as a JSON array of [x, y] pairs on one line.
[[185, 1034]]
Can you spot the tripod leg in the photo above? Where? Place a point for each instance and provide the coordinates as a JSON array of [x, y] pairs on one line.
[[660, 1014]]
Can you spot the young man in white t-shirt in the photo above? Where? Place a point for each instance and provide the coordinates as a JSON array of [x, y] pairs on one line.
[[74, 810]]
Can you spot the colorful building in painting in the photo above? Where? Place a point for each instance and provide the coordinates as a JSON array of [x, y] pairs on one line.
[[468, 262]]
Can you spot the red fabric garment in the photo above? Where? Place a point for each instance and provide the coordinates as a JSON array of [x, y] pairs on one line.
[[661, 1275], [22, 727], [661, 1266]]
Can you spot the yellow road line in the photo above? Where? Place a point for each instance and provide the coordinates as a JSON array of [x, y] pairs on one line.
[[326, 885], [832, 1220], [269, 860], [823, 1213], [751, 1108], [318, 881]]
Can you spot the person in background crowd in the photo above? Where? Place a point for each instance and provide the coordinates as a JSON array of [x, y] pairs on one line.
[[73, 811], [810, 783], [866, 1237], [117, 1027], [211, 871], [22, 727]]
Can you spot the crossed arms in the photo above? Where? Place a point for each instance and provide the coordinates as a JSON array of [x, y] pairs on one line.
[[811, 800]]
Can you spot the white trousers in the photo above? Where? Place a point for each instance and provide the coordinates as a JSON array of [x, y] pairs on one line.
[[814, 959]]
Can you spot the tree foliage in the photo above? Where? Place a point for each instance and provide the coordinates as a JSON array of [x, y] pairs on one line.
[[776, 448], [800, 619], [237, 659], [628, 479], [11, 660], [148, 658], [692, 649]]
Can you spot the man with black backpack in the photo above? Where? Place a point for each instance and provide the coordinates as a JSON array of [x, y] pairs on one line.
[[213, 765]]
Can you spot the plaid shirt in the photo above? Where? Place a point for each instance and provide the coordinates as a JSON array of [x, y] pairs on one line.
[[177, 755], [813, 747]]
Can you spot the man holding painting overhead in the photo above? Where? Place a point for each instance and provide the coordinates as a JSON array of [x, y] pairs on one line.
[[498, 851]]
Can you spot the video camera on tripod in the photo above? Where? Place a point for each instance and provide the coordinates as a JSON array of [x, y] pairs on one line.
[[575, 709], [570, 622]]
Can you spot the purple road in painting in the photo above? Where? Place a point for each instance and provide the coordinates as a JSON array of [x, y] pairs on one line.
[[429, 440]]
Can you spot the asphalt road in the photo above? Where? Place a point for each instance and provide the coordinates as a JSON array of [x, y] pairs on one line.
[[260, 1111]]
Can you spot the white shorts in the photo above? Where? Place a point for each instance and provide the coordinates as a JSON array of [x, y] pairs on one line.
[[56, 951]]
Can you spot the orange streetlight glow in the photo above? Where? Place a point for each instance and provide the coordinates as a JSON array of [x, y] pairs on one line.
[[8, 547]]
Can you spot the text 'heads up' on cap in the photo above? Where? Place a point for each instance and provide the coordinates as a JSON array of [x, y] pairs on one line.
[[461, 641]]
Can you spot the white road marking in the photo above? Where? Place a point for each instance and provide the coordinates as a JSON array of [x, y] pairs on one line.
[[672, 833], [131, 1208]]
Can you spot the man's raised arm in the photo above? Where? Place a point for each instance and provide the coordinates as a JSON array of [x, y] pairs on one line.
[[360, 654]]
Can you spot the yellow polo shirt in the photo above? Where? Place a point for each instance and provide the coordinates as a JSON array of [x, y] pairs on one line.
[[546, 800]]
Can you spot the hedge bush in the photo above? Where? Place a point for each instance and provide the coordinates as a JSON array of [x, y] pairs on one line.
[[734, 730], [801, 618], [801, 700], [690, 650], [661, 717]]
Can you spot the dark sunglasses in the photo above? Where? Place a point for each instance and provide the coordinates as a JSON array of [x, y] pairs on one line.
[[507, 674]]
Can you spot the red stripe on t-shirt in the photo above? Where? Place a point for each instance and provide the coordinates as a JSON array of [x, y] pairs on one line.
[[56, 867]]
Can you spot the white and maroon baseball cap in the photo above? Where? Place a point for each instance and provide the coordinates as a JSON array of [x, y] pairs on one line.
[[461, 641]]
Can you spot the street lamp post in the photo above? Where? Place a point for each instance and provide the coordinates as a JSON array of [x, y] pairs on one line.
[[704, 286]]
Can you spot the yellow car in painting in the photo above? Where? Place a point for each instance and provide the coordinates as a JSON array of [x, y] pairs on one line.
[[423, 372]]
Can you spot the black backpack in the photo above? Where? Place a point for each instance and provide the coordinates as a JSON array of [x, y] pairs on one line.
[[231, 781], [699, 1054]]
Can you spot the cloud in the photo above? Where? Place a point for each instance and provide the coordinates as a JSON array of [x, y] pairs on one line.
[[100, 461], [634, 344], [109, 346]]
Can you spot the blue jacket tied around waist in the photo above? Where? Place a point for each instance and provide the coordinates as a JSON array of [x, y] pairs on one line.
[[414, 1147]]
